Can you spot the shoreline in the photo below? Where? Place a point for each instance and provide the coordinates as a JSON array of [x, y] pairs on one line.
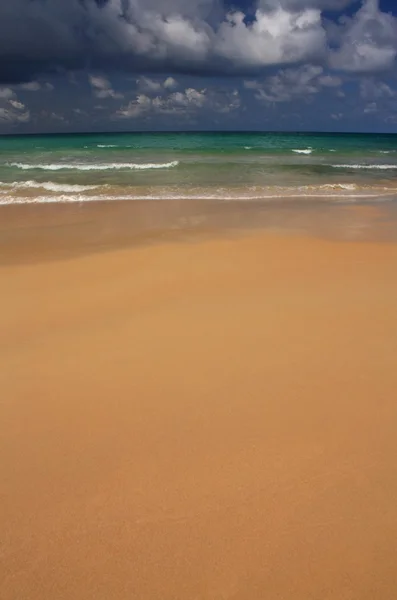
[[33, 233]]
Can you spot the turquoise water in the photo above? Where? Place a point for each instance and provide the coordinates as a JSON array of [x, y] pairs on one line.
[[230, 166]]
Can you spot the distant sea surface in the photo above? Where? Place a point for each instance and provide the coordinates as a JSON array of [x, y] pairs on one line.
[[187, 166]]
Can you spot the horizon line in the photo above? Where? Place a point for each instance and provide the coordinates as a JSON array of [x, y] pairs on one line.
[[197, 131]]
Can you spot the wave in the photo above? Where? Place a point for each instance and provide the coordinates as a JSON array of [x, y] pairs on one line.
[[47, 185], [93, 167], [306, 151], [379, 167], [299, 195], [332, 186], [111, 146]]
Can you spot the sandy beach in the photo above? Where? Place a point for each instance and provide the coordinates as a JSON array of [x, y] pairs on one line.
[[198, 419]]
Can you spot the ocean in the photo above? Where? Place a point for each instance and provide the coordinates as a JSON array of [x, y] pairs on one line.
[[194, 166]]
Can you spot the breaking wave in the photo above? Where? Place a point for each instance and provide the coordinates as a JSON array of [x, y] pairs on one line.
[[49, 186], [93, 167], [379, 167], [305, 151], [338, 192], [350, 187]]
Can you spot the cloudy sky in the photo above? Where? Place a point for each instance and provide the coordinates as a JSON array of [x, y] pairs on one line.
[[125, 65]]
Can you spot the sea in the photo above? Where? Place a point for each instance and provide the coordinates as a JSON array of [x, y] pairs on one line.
[[229, 166]]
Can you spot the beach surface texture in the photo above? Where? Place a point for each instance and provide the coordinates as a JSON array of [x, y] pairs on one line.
[[201, 418]]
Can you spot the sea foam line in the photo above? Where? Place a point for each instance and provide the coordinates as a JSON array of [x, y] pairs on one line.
[[331, 186], [47, 185], [305, 151], [379, 167], [78, 198], [93, 167]]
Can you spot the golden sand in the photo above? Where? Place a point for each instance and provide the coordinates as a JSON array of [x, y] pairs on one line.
[[201, 421]]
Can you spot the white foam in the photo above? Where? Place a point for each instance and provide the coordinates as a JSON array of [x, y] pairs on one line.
[[305, 151], [247, 147], [48, 185], [107, 146], [339, 186], [93, 167], [62, 199], [380, 167], [332, 186], [78, 198]]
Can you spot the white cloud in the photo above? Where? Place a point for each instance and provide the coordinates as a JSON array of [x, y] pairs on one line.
[[378, 97], [226, 102], [307, 54], [176, 35], [301, 4], [56, 116], [34, 86], [371, 108], [135, 108], [30, 86], [170, 83], [188, 102], [98, 82], [53, 116], [368, 41], [275, 37], [147, 85], [151, 86], [16, 104], [290, 83], [12, 111], [372, 88], [190, 97], [6, 93], [330, 81], [102, 88]]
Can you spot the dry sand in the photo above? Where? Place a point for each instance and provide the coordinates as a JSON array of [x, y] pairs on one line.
[[193, 421]]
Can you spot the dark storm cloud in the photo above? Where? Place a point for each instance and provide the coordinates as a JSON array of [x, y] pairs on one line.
[[196, 36]]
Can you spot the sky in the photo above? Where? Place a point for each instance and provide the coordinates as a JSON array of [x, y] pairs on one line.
[[138, 65]]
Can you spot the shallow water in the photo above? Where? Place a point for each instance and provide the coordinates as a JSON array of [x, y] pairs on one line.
[[189, 166]]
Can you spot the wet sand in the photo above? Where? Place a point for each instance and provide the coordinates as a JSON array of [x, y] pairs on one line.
[[42, 232], [207, 418]]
